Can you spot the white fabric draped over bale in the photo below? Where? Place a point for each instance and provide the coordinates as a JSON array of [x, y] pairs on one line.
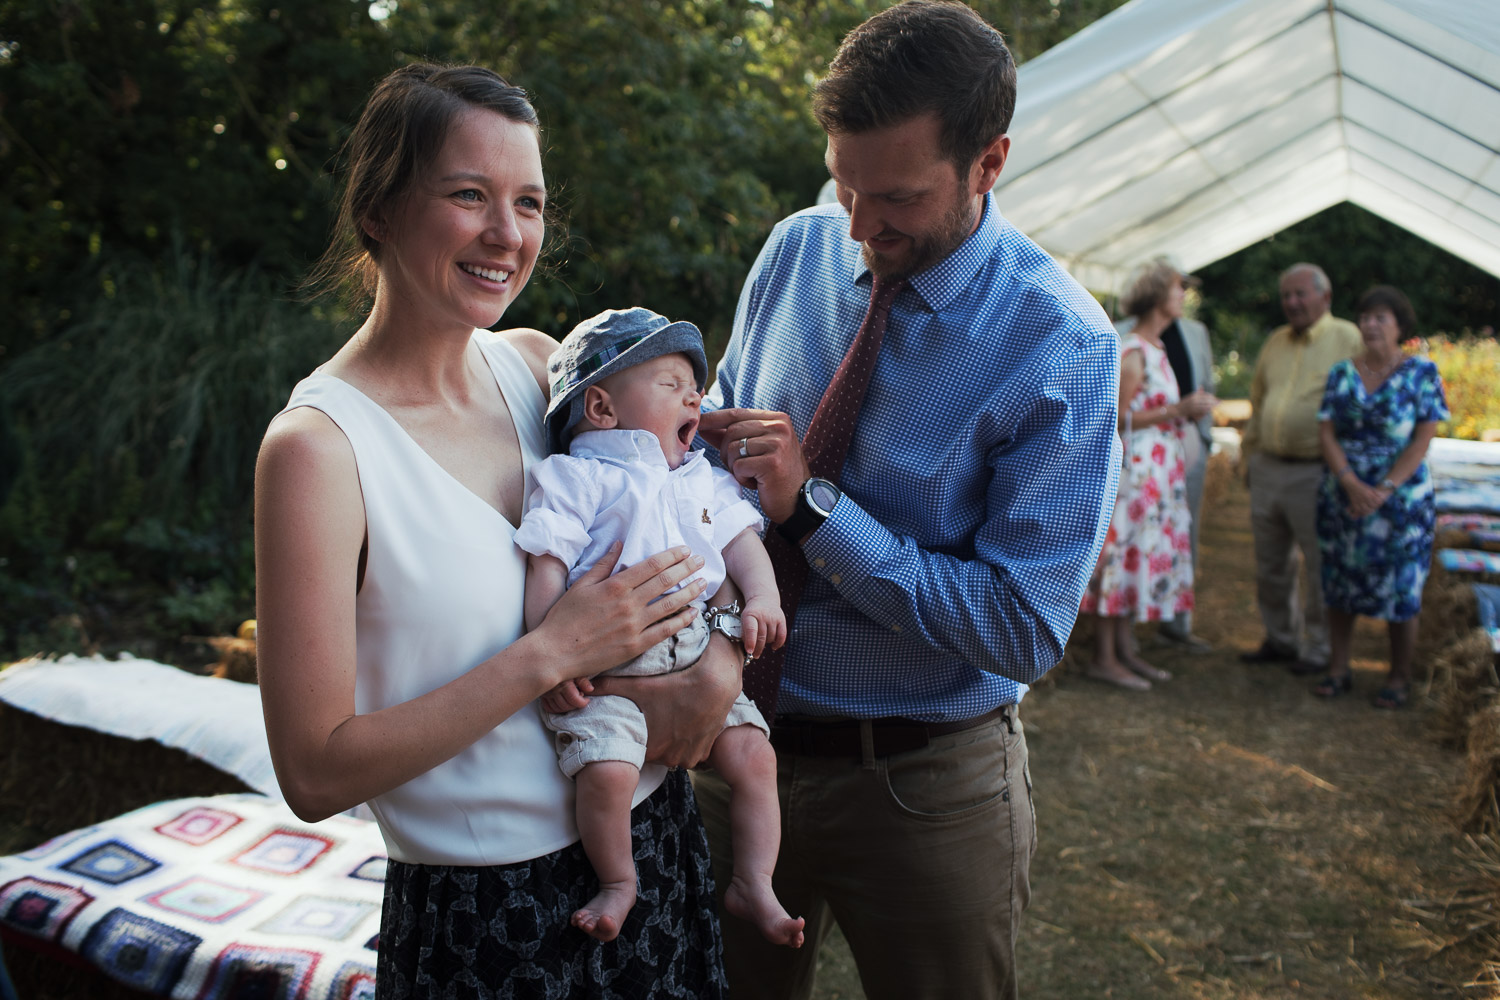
[[218, 721]]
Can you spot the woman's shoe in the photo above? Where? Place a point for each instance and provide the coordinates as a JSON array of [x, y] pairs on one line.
[[1332, 686], [1391, 697]]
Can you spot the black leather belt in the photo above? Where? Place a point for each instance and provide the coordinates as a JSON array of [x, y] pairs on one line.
[[836, 736], [1295, 459]]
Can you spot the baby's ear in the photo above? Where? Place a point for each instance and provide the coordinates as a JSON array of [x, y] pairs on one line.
[[598, 409]]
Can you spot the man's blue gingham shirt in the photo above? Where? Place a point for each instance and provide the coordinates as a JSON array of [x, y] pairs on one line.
[[980, 481]]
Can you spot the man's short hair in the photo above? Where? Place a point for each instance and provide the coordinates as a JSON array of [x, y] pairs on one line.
[[1393, 299], [1320, 277], [922, 56]]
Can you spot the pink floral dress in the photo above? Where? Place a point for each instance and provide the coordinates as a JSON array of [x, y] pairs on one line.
[[1146, 569]]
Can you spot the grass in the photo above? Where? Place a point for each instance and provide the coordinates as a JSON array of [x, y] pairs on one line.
[[1227, 836]]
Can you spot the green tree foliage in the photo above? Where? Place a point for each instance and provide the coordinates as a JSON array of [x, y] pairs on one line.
[[123, 122], [1241, 302]]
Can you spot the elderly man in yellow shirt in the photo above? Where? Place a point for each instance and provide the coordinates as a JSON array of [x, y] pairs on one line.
[[1285, 465]]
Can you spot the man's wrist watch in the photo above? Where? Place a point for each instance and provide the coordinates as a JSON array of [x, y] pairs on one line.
[[815, 502], [726, 622]]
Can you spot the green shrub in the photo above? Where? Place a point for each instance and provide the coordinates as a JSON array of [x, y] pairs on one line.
[[137, 428]]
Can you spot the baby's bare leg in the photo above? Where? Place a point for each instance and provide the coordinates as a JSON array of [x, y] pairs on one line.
[[604, 791], [743, 755]]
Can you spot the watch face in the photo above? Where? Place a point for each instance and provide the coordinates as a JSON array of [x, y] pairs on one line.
[[822, 495]]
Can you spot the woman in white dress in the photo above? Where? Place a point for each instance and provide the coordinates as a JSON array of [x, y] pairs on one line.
[[392, 659]]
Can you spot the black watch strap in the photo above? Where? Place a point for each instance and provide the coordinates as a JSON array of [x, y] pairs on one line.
[[803, 522], [806, 518]]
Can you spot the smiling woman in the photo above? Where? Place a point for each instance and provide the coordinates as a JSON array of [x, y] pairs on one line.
[[394, 665]]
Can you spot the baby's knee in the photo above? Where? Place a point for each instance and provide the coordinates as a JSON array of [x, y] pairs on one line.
[[743, 752]]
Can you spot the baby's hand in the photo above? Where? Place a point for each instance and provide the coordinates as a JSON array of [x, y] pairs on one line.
[[568, 695], [763, 626]]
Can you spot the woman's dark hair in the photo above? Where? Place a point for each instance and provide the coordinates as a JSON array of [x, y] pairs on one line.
[[402, 128], [918, 57], [1393, 299]]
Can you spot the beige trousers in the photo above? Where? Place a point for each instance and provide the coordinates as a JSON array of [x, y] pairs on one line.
[[922, 858], [1283, 517]]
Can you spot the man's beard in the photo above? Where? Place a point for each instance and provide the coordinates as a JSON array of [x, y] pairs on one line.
[[926, 250]]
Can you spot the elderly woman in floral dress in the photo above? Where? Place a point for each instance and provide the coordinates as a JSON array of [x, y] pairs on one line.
[[1376, 513], [1146, 568]]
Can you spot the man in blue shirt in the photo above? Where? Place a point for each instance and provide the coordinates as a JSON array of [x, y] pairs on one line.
[[947, 550]]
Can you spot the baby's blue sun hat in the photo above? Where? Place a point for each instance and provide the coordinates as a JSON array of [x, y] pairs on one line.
[[610, 342]]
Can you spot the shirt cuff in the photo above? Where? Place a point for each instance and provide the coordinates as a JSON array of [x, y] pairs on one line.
[[844, 546], [545, 532]]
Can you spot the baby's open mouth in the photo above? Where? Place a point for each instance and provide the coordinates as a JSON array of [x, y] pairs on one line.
[[686, 432]]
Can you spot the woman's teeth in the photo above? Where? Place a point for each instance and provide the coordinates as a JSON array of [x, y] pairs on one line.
[[485, 272]]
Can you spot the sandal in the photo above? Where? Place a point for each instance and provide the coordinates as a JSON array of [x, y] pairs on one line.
[[1332, 687], [1391, 697]]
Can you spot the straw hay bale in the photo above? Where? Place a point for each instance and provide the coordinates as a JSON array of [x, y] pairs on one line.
[[55, 778], [1452, 538], [1478, 809], [1449, 613], [236, 658], [1217, 478], [1464, 682]]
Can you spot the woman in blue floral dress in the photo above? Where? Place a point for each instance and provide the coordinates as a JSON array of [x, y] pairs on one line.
[[1375, 508]]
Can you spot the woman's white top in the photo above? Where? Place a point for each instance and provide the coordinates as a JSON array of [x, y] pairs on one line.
[[442, 593], [615, 485]]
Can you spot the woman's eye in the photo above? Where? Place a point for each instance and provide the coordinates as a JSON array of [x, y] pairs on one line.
[[534, 204], [467, 194]]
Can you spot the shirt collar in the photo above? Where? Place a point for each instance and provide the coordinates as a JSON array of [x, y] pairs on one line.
[[1312, 332], [941, 283], [625, 446]]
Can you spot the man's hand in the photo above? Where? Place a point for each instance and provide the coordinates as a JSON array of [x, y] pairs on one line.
[[685, 710], [760, 448]]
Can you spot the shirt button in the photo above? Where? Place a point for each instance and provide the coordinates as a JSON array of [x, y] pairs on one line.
[[895, 628], [820, 562], [835, 579]]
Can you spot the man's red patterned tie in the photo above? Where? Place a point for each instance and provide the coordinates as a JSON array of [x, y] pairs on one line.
[[825, 446]]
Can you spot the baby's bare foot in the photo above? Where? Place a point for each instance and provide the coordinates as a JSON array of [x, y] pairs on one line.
[[603, 916], [752, 899]]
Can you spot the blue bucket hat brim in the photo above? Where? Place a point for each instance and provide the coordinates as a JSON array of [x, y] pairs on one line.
[[602, 345]]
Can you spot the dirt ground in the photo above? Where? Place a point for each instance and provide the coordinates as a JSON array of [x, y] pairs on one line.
[[1227, 834]]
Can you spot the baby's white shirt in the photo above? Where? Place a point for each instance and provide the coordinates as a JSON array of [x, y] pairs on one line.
[[616, 485]]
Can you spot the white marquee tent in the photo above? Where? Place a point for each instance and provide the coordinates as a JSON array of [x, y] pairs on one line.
[[1196, 127]]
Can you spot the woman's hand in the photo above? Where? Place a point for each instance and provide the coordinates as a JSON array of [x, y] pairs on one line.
[[1198, 403], [685, 710], [1364, 499], [603, 621]]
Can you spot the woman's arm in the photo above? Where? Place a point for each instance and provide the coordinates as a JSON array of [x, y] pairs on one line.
[[310, 528], [1414, 454], [1363, 499]]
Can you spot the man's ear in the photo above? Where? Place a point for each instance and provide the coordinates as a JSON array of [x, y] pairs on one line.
[[986, 169], [598, 409]]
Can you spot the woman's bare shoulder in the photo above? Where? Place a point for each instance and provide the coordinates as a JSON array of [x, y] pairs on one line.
[[305, 450], [535, 347]]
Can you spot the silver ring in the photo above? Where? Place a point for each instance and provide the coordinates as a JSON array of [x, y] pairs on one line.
[[744, 452]]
